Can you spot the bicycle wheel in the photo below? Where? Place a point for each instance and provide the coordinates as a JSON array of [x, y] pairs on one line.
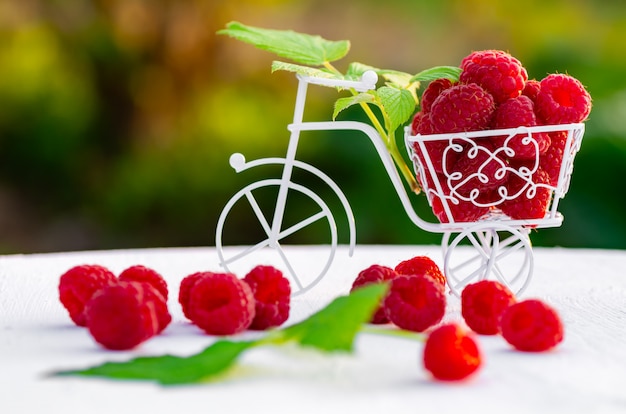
[[488, 251], [252, 201]]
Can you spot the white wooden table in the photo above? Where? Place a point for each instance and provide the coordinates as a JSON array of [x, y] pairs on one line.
[[585, 374]]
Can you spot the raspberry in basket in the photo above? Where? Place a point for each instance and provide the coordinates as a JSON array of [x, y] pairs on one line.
[[478, 169], [499, 73], [77, 286], [462, 211], [139, 273], [420, 265], [531, 325], [432, 91], [221, 304], [531, 89], [375, 274], [460, 108], [552, 160], [533, 198], [515, 112], [482, 304], [422, 125], [562, 99], [272, 296], [451, 353], [121, 316], [415, 303]]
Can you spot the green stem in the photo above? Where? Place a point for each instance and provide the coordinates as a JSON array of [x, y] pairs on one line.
[[388, 139]]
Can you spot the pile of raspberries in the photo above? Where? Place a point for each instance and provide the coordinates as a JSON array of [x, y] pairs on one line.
[[121, 312], [494, 92]]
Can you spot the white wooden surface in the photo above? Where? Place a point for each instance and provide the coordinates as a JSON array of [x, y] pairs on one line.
[[585, 374]]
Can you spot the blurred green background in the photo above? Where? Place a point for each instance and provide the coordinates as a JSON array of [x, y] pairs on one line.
[[117, 117]]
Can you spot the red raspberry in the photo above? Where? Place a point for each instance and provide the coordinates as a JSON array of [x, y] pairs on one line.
[[221, 304], [562, 99], [482, 304], [531, 325], [185, 289], [502, 75], [529, 204], [515, 112], [422, 125], [415, 303], [531, 89], [462, 211], [77, 286], [552, 160], [451, 353], [159, 304], [420, 265], [140, 273], [462, 108], [120, 316], [272, 294], [432, 91], [375, 274]]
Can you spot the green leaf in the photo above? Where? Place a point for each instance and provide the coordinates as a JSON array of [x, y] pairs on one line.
[[438, 72], [169, 369], [304, 70], [298, 47], [398, 106], [334, 327], [343, 103]]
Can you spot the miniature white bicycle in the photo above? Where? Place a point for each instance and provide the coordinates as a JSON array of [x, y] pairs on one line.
[[500, 247]]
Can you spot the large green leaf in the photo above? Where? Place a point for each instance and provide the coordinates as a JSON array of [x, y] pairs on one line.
[[398, 104], [343, 103], [304, 70], [298, 47]]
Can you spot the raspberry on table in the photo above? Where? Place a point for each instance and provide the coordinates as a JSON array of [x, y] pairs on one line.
[[139, 273], [529, 204], [451, 353], [513, 113], [221, 304], [531, 325], [78, 284], [432, 91], [461, 108], [375, 274], [415, 303], [120, 316], [562, 99], [159, 304], [185, 289], [421, 265], [499, 73], [482, 304], [272, 296]]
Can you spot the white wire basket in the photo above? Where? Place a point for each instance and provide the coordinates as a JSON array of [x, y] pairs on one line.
[[471, 177]]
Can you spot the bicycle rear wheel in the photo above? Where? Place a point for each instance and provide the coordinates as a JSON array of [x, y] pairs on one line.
[[257, 203]]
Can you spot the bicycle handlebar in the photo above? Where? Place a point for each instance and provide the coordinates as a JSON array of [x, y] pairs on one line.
[[367, 82]]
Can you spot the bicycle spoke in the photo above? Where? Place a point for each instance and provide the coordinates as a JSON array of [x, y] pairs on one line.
[[247, 251], [290, 268], [258, 212], [289, 231]]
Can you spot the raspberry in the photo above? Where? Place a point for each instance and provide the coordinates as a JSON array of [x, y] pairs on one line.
[[422, 125], [77, 286], [482, 304], [415, 303], [499, 73], [462, 211], [420, 265], [140, 273], [531, 325], [551, 161], [185, 289], [531, 89], [375, 274], [562, 99], [159, 304], [120, 317], [532, 201], [515, 112], [462, 108], [432, 91], [272, 294], [221, 304], [451, 353]]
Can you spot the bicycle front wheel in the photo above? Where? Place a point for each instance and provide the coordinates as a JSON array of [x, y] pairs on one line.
[[255, 206]]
